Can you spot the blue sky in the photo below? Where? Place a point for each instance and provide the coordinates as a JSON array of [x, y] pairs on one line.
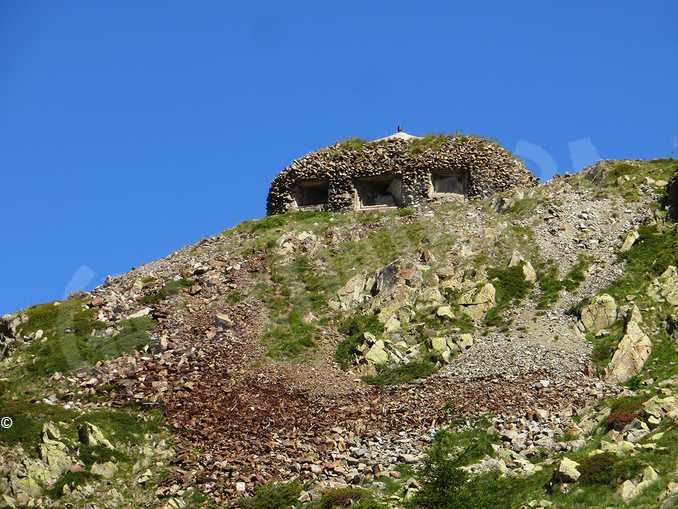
[[127, 132]]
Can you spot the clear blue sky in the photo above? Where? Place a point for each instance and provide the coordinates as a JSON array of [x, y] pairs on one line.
[[127, 132]]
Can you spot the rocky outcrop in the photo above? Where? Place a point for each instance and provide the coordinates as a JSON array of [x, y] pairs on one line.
[[600, 314], [665, 287], [483, 165], [630, 356], [477, 302]]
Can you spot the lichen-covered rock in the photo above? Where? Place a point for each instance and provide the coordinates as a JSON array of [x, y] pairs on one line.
[[439, 344], [475, 303], [91, 435], [662, 407], [566, 471], [630, 356], [529, 274], [354, 292], [630, 239], [106, 470], [377, 354], [464, 341], [481, 164], [665, 287], [600, 314], [445, 312]]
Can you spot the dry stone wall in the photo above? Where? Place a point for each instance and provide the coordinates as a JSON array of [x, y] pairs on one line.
[[483, 165]]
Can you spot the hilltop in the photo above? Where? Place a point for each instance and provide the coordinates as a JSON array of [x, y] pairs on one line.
[[510, 350]]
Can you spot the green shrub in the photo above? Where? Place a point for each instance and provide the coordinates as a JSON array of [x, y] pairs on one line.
[[598, 469], [403, 373], [623, 412], [445, 486], [273, 496], [348, 497]]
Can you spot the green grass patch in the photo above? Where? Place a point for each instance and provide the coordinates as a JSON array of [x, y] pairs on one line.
[[59, 318], [290, 337], [298, 289], [522, 207], [118, 425], [401, 374], [99, 454], [70, 348], [430, 142], [351, 144], [28, 419], [511, 288], [551, 284], [614, 176], [357, 498], [170, 288], [124, 425]]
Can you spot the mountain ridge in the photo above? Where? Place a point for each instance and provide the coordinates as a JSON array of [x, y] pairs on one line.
[[483, 320]]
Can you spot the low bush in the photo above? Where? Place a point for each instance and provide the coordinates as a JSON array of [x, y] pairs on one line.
[[273, 496], [598, 469], [624, 411]]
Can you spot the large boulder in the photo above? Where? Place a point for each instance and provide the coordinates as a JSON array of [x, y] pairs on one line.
[[529, 274], [566, 471], [600, 314], [377, 354], [630, 239], [475, 303], [630, 356], [354, 292], [662, 407], [665, 287], [394, 289]]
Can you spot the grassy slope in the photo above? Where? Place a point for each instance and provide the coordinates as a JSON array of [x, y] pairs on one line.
[[75, 339]]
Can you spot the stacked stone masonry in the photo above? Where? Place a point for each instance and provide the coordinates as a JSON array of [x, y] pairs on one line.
[[396, 172]]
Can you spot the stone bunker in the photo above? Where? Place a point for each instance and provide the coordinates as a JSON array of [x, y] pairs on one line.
[[397, 171]]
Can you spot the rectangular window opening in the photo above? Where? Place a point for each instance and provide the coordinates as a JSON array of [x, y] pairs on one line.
[[381, 191], [311, 194], [449, 183]]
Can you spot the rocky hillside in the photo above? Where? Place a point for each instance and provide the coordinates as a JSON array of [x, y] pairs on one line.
[[516, 351]]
